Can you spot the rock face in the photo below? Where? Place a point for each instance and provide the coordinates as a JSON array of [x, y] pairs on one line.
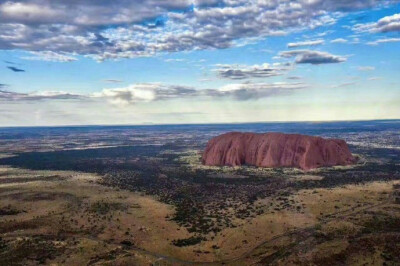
[[276, 150]]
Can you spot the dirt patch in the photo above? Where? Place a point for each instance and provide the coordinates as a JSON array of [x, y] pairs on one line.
[[29, 179], [39, 196]]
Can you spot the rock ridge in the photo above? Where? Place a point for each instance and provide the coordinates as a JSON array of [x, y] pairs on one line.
[[276, 150]]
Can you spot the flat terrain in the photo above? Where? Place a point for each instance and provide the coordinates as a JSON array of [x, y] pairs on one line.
[[68, 218], [140, 196]]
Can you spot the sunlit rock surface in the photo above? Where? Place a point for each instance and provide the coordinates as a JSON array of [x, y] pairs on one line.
[[276, 150]]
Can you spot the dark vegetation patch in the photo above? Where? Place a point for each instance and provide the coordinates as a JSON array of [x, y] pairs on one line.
[[12, 226], [387, 245], [191, 241], [382, 223], [391, 250], [280, 253], [28, 250], [8, 189], [396, 193], [107, 258], [103, 208], [9, 210], [380, 234], [88, 160]]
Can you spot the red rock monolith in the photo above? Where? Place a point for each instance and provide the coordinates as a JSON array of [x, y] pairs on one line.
[[276, 150]]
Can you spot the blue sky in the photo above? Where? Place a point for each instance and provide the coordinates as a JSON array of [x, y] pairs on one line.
[[88, 62]]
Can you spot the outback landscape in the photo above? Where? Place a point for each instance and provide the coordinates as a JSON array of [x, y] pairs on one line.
[[200, 132], [140, 195]]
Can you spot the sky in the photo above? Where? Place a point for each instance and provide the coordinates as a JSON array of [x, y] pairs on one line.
[[87, 62]]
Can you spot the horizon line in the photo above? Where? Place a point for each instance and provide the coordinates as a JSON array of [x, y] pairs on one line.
[[199, 124]]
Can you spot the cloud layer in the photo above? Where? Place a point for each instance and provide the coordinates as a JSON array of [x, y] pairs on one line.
[[386, 24], [384, 40], [305, 43], [50, 57], [256, 71], [312, 57], [148, 92], [37, 96], [128, 28]]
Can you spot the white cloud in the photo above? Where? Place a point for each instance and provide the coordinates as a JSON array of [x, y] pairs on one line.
[[385, 24], [385, 40], [375, 78], [366, 68], [50, 56], [305, 43], [150, 92], [38, 96], [346, 84], [313, 57], [27, 12], [145, 28], [255, 71], [131, 94], [339, 40], [248, 91], [174, 60]]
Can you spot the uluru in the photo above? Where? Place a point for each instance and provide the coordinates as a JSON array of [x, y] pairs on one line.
[[276, 150]]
